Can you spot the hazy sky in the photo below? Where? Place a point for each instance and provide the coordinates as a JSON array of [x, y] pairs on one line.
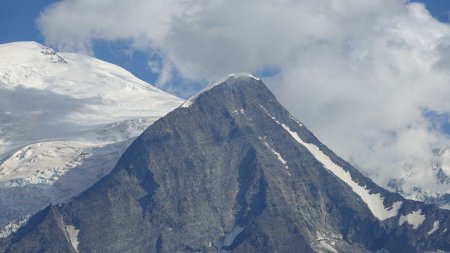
[[370, 77]]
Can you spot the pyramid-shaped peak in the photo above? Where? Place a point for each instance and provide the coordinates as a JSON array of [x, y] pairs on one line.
[[236, 78], [242, 75], [233, 76], [236, 173]]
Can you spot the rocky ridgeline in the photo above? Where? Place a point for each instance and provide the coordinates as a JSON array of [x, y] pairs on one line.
[[232, 171]]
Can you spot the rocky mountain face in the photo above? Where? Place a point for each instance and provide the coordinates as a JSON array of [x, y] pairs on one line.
[[65, 120], [232, 171]]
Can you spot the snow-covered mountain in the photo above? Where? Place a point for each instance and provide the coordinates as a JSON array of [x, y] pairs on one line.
[[231, 170], [425, 181], [65, 119]]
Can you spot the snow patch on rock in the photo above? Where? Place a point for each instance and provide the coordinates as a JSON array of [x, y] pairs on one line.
[[326, 242], [13, 226], [237, 112], [228, 239], [375, 202], [72, 235], [435, 227], [277, 154], [415, 218]]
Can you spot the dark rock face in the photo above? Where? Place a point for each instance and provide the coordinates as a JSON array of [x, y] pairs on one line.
[[223, 175], [44, 232]]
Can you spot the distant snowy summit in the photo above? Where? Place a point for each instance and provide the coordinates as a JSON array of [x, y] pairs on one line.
[[65, 119], [428, 182]]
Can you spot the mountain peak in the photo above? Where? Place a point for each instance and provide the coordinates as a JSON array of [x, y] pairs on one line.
[[63, 126], [233, 171], [228, 80], [25, 51], [242, 75], [30, 45]]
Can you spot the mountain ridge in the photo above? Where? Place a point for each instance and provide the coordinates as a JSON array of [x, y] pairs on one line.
[[65, 119], [223, 175]]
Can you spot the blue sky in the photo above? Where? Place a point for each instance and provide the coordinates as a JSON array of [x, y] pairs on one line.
[[438, 8], [18, 23]]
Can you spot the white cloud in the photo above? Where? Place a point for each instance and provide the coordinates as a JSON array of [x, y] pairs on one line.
[[359, 73], [74, 24]]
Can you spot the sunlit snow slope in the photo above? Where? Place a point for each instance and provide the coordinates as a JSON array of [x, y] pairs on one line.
[[65, 119]]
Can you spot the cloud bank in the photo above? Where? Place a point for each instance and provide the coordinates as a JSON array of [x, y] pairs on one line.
[[360, 73]]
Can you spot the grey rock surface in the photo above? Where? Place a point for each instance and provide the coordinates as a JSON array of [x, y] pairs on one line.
[[205, 178]]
